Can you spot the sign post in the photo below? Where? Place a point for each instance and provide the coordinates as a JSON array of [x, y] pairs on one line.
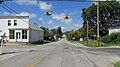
[[1, 49], [2, 42]]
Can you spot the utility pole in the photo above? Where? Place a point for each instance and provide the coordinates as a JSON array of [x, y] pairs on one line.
[[98, 24], [87, 32]]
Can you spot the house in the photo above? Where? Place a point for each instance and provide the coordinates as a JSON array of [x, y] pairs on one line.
[[18, 29], [114, 29]]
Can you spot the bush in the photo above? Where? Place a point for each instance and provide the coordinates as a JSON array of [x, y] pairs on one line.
[[106, 39], [113, 38]]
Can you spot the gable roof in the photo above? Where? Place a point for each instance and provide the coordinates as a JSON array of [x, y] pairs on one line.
[[34, 27], [12, 17]]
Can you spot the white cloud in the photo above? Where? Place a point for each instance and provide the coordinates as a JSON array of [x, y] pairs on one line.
[[63, 28], [59, 17], [41, 20], [68, 20], [76, 26], [51, 21], [6, 13], [25, 2], [31, 15], [44, 6]]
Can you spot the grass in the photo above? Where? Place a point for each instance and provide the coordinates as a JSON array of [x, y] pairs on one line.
[[117, 64], [91, 43], [114, 44]]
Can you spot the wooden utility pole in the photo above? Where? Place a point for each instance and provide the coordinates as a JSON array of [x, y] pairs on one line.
[[98, 40], [87, 32]]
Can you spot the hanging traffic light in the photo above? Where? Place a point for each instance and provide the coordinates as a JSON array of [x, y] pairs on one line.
[[66, 17], [1, 1], [48, 13]]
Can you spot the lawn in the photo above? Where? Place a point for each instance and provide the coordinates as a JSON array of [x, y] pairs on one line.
[[90, 43], [117, 64]]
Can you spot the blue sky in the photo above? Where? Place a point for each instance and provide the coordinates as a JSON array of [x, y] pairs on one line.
[[37, 9]]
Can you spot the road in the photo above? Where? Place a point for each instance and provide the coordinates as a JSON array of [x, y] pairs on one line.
[[59, 54]]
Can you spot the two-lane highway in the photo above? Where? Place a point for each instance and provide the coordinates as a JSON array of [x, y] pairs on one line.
[[58, 54]]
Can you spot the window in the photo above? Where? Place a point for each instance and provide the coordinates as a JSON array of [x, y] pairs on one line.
[[11, 34], [9, 22], [15, 22], [24, 34]]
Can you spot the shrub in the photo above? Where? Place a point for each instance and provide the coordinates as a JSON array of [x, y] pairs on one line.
[[106, 39], [113, 38]]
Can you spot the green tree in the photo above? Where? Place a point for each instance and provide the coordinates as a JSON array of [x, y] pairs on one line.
[[109, 13], [59, 32]]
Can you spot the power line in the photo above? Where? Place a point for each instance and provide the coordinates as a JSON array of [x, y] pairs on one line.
[[12, 11]]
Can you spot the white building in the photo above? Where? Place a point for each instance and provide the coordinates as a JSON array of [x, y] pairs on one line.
[[114, 29], [18, 29]]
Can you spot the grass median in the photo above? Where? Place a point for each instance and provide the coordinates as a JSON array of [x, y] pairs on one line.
[[117, 64]]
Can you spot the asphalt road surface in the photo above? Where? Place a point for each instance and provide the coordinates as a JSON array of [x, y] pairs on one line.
[[58, 54]]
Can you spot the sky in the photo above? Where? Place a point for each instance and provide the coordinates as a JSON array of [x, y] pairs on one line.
[[36, 10]]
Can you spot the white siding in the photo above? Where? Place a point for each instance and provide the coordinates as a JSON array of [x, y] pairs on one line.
[[20, 24], [114, 30], [35, 35], [3, 27]]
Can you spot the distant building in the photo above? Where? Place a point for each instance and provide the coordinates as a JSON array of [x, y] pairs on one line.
[[114, 29], [18, 29]]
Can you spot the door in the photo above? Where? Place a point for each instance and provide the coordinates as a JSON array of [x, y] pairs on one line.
[[18, 36]]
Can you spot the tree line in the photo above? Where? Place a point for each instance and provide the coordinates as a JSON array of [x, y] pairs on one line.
[[109, 15], [53, 34]]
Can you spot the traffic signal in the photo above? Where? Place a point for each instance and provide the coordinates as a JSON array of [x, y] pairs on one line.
[[48, 13], [66, 17], [1, 1]]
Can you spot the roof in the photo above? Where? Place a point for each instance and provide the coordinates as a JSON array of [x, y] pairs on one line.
[[34, 27], [13, 17], [117, 25]]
